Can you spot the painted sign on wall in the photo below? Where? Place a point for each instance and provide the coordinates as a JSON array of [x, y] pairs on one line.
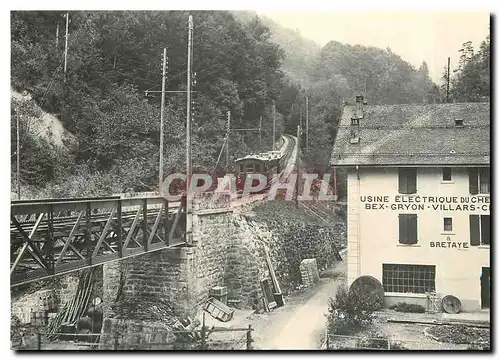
[[421, 203]]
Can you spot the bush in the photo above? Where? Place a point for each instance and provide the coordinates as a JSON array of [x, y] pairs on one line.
[[408, 308], [349, 311]]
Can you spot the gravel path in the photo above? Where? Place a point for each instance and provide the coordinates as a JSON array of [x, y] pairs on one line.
[[301, 322]]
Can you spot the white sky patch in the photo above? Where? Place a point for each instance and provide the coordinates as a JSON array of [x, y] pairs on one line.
[[418, 36]]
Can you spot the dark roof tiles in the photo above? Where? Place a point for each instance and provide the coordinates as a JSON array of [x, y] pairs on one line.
[[415, 134]]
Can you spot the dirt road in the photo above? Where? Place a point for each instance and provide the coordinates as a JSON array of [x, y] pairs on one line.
[[301, 322]]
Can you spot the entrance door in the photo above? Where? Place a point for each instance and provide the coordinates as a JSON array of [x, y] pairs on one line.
[[485, 287]]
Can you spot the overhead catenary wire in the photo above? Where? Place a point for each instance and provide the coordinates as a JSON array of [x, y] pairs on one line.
[[410, 127], [448, 154]]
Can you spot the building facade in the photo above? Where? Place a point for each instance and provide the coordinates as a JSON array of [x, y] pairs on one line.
[[418, 200]]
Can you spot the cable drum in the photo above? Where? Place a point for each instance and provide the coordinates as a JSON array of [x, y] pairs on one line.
[[371, 291], [451, 304]]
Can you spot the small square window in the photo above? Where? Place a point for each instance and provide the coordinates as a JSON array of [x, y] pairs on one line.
[[448, 224], [446, 174]]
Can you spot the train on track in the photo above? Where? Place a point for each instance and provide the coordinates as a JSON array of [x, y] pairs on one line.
[[270, 164]]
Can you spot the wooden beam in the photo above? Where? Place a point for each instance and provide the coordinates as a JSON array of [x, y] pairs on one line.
[[25, 246], [132, 229], [33, 250], [145, 224], [103, 234], [176, 221], [70, 238], [155, 226]]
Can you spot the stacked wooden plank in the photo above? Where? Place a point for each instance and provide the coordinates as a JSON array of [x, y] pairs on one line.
[[76, 307]]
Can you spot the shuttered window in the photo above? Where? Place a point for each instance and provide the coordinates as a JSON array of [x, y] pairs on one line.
[[446, 174], [485, 229], [484, 180], [408, 233], [479, 230], [473, 181], [407, 180], [448, 224]]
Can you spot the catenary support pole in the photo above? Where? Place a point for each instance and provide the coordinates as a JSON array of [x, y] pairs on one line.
[[57, 35], [66, 47], [18, 157], [297, 160], [260, 133], [274, 124], [227, 139], [307, 123], [162, 114], [448, 82], [189, 199]]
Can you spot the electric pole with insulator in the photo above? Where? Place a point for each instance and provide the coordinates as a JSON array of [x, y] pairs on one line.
[[162, 114], [18, 156], [227, 139], [260, 132], [274, 124], [448, 82], [66, 47], [189, 196], [307, 123], [297, 160]]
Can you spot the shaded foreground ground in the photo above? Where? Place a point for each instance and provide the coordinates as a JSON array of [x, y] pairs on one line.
[[301, 323]]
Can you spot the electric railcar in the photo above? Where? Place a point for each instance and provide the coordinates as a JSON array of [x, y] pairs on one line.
[[270, 164]]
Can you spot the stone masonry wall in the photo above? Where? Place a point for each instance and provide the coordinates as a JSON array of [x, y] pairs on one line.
[[212, 234], [153, 290]]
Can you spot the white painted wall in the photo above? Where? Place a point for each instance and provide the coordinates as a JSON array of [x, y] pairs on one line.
[[373, 234]]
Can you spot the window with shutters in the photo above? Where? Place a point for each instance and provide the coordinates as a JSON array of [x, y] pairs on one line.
[[479, 230], [448, 224], [479, 180], [402, 278], [446, 174], [408, 233], [407, 180]]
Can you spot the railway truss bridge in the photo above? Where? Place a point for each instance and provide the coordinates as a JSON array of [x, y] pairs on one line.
[[53, 237]]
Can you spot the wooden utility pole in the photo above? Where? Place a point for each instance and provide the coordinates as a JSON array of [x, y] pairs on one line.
[[448, 82], [57, 35], [188, 108], [66, 47], [162, 114], [18, 157], [274, 124], [307, 123], [297, 159], [189, 199], [260, 132], [227, 139]]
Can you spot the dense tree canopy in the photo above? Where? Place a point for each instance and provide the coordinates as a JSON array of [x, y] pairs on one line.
[[109, 95], [114, 57], [470, 81]]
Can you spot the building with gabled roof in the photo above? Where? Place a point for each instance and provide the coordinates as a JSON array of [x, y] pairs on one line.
[[418, 198]]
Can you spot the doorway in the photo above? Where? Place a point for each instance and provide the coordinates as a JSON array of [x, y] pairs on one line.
[[485, 288]]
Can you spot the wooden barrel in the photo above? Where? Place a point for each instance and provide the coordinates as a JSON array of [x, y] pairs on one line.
[[451, 304]]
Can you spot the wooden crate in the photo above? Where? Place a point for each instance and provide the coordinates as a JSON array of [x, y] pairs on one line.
[[218, 310]]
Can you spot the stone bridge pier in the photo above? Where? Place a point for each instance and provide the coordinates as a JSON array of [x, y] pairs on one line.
[[144, 295]]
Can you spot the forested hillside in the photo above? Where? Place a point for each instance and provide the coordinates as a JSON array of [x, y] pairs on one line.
[[470, 81], [108, 99], [113, 58], [300, 53]]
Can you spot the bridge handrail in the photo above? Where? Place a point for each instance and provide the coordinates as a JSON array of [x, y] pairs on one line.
[[79, 204]]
